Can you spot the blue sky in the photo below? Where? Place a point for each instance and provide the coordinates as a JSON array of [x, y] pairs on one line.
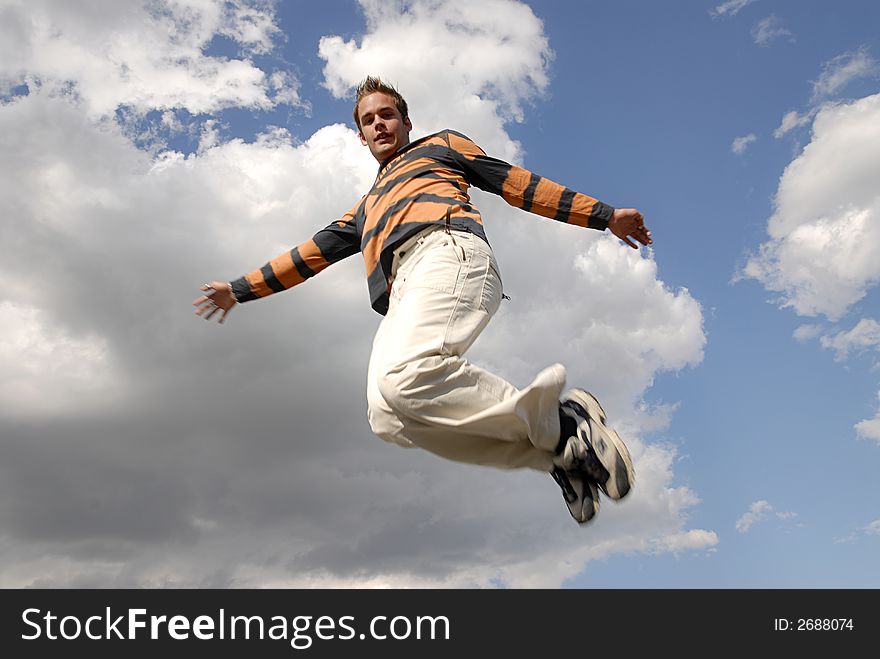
[[737, 363]]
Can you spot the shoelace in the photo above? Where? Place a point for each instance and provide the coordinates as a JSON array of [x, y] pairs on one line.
[[591, 466], [588, 463]]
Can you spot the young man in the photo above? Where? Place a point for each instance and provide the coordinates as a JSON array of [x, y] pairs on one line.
[[433, 276]]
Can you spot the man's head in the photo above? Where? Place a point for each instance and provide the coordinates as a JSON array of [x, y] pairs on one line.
[[382, 118]]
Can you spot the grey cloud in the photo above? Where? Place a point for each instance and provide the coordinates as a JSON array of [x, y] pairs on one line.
[[65, 487]]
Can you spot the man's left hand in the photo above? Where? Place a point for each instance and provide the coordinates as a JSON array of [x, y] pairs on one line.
[[627, 223]]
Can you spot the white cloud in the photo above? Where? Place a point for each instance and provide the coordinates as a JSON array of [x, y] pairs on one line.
[[210, 135], [692, 540], [144, 56], [869, 428], [865, 335], [769, 29], [836, 74], [213, 463], [729, 8], [757, 513], [820, 256], [806, 332], [488, 64], [286, 89], [740, 144], [634, 316], [250, 23], [790, 121], [870, 529], [843, 69]]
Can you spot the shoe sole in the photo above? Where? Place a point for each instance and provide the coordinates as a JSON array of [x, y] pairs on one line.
[[590, 505], [612, 452]]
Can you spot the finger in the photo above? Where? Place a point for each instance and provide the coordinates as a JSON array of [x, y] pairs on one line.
[[630, 243], [208, 306], [200, 300], [213, 311], [223, 317]]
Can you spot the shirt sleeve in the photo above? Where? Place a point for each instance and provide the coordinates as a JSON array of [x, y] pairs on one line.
[[338, 240], [526, 190]]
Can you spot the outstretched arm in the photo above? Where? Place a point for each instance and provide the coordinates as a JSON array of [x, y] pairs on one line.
[[530, 192], [332, 244]]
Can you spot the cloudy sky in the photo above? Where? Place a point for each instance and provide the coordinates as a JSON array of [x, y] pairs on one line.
[[146, 147]]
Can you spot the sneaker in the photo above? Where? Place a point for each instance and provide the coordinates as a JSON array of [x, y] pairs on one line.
[[579, 492], [577, 452], [607, 459]]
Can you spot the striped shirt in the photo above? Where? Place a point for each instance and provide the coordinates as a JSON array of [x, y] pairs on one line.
[[424, 183]]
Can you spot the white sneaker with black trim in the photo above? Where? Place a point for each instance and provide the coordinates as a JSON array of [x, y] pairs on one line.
[[606, 459]]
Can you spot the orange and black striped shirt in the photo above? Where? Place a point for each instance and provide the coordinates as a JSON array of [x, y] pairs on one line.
[[424, 183]]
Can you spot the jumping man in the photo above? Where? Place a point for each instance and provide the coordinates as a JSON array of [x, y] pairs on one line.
[[432, 274]]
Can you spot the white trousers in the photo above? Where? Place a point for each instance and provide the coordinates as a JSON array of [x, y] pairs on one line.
[[421, 391]]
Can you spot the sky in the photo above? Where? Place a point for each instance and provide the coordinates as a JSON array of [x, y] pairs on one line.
[[147, 147]]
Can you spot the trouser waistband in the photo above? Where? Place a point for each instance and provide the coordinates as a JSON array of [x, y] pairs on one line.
[[401, 250]]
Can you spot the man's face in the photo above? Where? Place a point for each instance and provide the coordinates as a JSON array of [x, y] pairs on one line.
[[382, 127]]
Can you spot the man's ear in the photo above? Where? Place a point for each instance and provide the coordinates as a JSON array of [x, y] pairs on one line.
[[408, 124], [362, 138]]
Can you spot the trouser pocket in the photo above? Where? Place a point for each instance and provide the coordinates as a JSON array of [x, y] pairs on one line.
[[436, 263]]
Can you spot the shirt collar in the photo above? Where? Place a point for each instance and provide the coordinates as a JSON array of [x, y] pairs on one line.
[[384, 164]]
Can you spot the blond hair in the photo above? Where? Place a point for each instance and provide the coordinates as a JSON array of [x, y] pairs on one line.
[[371, 85]]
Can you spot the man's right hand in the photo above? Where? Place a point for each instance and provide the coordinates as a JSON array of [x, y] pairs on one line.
[[218, 297]]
